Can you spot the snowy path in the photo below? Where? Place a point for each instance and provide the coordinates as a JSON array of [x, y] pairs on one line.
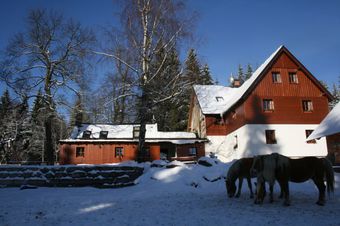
[[163, 202]]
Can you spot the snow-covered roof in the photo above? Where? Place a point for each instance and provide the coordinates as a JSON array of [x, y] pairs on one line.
[[330, 124], [124, 132], [207, 95], [213, 98]]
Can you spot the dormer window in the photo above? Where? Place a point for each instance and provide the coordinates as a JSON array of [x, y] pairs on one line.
[[219, 99], [136, 130], [103, 134], [87, 134]]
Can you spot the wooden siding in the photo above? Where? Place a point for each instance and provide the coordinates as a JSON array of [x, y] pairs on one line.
[[287, 99], [284, 65], [183, 150], [101, 153], [214, 125]]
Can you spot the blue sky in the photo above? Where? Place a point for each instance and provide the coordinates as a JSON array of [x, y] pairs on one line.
[[228, 33]]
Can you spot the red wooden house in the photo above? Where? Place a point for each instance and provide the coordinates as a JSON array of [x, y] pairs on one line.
[[104, 143], [273, 111]]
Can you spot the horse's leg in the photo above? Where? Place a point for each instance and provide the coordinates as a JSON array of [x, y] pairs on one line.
[[285, 192], [271, 189], [240, 181], [260, 186], [322, 189], [250, 187], [281, 192]]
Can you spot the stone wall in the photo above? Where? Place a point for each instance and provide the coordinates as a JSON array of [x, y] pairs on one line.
[[67, 175]]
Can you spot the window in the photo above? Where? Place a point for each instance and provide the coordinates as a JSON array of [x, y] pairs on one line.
[[307, 105], [80, 151], [193, 151], [136, 130], [276, 77], [119, 152], [87, 134], [219, 99], [293, 77], [268, 105], [309, 132], [270, 137], [103, 134]]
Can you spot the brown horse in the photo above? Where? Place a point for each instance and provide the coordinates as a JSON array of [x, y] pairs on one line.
[[284, 169], [240, 169]]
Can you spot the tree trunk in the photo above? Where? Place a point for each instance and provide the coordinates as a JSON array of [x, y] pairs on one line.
[[49, 147], [142, 155]]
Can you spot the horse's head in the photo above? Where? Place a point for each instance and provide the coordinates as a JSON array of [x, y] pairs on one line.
[[231, 188]]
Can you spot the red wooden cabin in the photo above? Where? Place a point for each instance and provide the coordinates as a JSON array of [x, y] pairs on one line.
[[99, 144]]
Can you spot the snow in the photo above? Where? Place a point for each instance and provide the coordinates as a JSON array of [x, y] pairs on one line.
[[182, 195], [124, 133], [329, 125], [207, 95], [213, 98]]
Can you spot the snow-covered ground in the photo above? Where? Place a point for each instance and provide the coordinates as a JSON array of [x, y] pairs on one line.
[[176, 196]]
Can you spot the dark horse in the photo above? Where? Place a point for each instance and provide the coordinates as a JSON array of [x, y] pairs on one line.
[[284, 169], [238, 170]]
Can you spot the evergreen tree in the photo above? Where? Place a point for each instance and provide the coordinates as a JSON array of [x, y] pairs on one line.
[[7, 128], [78, 114], [249, 72], [15, 129], [241, 74], [206, 76], [324, 84], [167, 66], [336, 95], [6, 104], [192, 68], [23, 131], [35, 150]]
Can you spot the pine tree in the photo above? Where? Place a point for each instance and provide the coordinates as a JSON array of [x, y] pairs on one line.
[[23, 131], [192, 68], [324, 84], [206, 76], [6, 104], [35, 150], [336, 95], [241, 74], [167, 66], [249, 72], [7, 128], [78, 114]]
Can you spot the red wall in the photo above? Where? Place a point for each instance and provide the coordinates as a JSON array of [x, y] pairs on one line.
[[101, 153], [287, 99]]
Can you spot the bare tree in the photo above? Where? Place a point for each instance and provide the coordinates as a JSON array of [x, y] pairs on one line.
[[118, 87], [150, 26], [50, 55]]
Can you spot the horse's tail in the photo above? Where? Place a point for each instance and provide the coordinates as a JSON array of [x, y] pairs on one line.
[[329, 175]]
